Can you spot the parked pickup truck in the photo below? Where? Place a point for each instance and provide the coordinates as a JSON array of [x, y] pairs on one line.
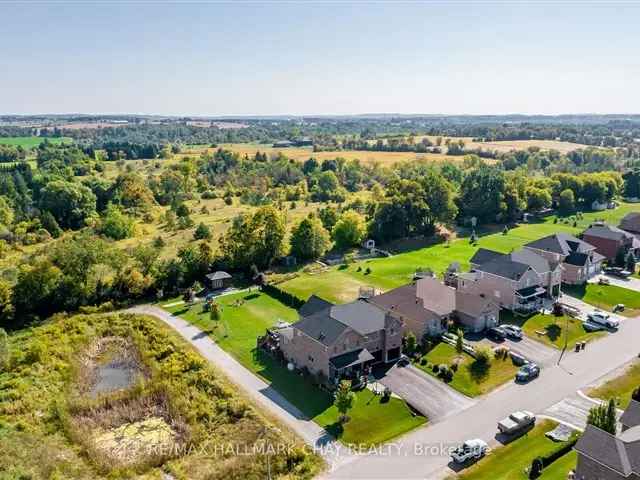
[[470, 450], [516, 422]]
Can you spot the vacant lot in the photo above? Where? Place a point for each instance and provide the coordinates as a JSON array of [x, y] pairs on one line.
[[620, 387], [470, 378], [509, 462], [31, 142], [245, 316]]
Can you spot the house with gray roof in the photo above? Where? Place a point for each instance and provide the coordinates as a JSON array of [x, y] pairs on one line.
[[609, 240], [603, 456], [579, 260], [516, 281], [341, 341], [631, 223]]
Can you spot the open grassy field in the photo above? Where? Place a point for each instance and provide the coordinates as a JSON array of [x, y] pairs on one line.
[[31, 142], [620, 387], [390, 272], [606, 297], [471, 378], [247, 315], [510, 461], [504, 146]]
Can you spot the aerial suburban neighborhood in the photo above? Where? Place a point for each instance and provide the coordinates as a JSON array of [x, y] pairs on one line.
[[336, 240]]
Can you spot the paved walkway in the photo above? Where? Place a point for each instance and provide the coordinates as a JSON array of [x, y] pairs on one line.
[[428, 395], [265, 396]]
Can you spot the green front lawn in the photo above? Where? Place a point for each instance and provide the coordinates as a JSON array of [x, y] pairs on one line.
[[553, 330], [606, 297], [559, 470], [470, 378], [510, 461], [247, 315], [620, 387]]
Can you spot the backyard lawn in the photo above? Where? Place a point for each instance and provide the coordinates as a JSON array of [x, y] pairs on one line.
[[510, 461], [341, 284], [245, 316], [620, 387], [471, 379], [554, 330], [606, 297]]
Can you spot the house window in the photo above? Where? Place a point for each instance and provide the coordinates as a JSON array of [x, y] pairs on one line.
[[310, 358], [496, 294]]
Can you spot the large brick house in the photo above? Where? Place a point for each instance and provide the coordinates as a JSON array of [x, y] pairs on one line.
[[579, 259], [602, 456], [609, 240], [341, 340], [506, 279]]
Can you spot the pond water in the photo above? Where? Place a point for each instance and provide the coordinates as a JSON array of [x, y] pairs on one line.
[[114, 376]]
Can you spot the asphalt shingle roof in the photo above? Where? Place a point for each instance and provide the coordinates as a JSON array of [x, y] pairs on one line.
[[631, 222], [362, 316], [315, 304], [561, 243], [321, 327], [605, 449], [631, 416], [505, 267], [484, 255]]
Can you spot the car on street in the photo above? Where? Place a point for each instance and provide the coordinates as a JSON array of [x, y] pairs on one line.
[[603, 318], [513, 331], [617, 272], [403, 361], [470, 450], [527, 372], [497, 333], [516, 422]]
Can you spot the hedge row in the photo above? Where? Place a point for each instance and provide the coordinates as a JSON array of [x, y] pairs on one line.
[[287, 298], [553, 456]]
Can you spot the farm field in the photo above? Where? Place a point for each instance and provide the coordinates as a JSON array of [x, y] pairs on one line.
[[31, 142], [510, 461], [389, 272], [470, 378], [244, 317], [620, 387], [303, 153], [504, 146]]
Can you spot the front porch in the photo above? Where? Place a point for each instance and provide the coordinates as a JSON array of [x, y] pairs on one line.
[[530, 299], [350, 365]]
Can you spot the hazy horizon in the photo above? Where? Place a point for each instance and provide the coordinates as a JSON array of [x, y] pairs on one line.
[[319, 58]]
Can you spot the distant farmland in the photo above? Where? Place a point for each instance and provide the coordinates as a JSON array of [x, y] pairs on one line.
[[32, 142], [504, 146], [302, 154]]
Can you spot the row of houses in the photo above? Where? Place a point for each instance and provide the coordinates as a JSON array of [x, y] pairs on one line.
[[339, 341]]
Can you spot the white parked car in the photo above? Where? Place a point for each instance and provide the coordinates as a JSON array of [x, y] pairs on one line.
[[516, 421], [602, 318], [513, 331], [470, 450]]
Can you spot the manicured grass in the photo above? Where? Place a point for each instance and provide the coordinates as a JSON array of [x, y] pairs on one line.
[[31, 142], [606, 297], [620, 387], [372, 420], [559, 470], [470, 378], [554, 328], [510, 461], [247, 315], [334, 285], [390, 272]]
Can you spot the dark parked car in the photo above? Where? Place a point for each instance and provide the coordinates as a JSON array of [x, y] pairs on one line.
[[497, 333], [403, 361], [528, 372], [617, 271]]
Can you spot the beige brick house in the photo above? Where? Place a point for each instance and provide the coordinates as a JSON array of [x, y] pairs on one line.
[[341, 340], [579, 260]]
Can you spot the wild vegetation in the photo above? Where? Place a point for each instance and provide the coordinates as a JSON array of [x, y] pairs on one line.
[[163, 418]]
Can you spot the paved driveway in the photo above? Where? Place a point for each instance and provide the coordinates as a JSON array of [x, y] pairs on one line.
[[585, 308], [427, 394], [572, 410], [532, 350]]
